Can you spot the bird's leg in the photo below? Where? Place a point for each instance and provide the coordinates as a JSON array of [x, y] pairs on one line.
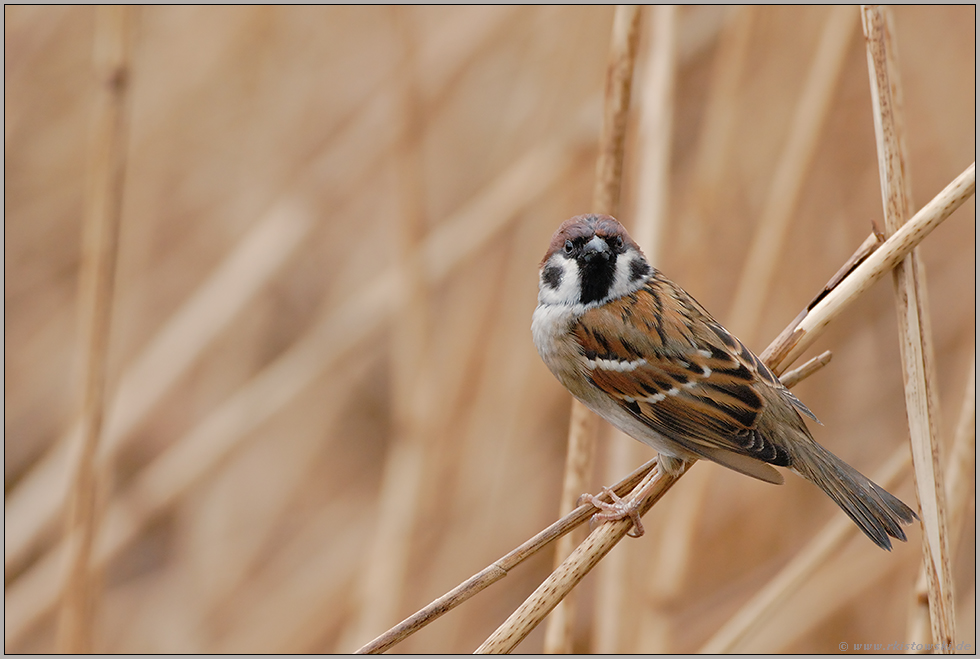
[[668, 464]]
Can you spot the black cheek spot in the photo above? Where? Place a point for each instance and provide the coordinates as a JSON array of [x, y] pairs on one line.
[[638, 269], [552, 276]]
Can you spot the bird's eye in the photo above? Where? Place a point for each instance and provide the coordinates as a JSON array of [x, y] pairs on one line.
[[569, 246], [619, 242]]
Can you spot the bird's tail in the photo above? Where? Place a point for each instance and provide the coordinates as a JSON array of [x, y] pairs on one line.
[[875, 511]]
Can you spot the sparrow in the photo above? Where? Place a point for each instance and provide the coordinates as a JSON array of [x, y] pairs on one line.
[[640, 352]]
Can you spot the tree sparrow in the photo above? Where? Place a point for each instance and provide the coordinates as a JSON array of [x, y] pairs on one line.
[[640, 352]]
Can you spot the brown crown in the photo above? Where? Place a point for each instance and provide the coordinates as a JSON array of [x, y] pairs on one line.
[[586, 226]]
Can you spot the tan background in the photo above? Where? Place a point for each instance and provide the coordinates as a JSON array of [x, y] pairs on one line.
[[239, 115]]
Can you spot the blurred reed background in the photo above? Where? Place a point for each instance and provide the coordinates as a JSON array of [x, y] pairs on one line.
[[324, 408]]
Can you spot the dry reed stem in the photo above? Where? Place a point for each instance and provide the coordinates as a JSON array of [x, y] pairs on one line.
[[870, 244], [913, 313], [960, 475], [791, 168], [502, 566], [385, 564], [791, 378], [619, 84], [790, 345], [616, 591], [111, 59], [824, 546], [613, 611], [583, 424], [783, 340], [340, 329], [579, 563]]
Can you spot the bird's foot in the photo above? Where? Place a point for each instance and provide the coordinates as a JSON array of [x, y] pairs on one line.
[[620, 508]]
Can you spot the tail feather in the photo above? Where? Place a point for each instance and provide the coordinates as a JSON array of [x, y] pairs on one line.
[[878, 513]]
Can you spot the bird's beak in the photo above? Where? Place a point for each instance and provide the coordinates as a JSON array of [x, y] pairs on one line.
[[596, 247]]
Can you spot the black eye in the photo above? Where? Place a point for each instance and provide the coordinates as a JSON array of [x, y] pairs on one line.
[[569, 247], [619, 242]]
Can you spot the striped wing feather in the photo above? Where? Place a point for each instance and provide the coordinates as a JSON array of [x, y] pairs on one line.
[[699, 387]]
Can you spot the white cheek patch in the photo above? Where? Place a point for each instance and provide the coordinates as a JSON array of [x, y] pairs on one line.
[[616, 365], [568, 291], [624, 283]]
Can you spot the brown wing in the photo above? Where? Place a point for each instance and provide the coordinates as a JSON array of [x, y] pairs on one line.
[[673, 367]]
